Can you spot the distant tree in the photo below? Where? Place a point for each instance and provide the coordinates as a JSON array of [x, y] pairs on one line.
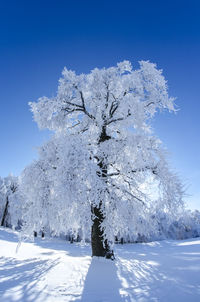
[[8, 187], [103, 163], [34, 193]]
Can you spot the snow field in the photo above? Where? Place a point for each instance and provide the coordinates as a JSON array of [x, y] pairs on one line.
[[53, 270]]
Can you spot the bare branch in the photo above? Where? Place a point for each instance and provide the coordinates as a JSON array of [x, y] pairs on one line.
[[113, 174], [73, 104], [83, 104], [129, 193], [107, 94], [115, 120], [69, 110], [153, 169], [73, 126], [113, 108], [151, 103]]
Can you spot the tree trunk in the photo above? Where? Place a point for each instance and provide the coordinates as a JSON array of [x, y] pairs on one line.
[[5, 212], [100, 246]]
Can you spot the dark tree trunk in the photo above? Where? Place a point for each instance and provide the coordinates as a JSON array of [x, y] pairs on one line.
[[5, 212], [100, 246], [72, 239]]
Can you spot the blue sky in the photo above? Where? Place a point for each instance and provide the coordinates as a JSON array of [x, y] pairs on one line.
[[39, 38]]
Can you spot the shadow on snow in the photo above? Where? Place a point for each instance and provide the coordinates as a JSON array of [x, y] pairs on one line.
[[158, 271], [101, 283], [18, 279]]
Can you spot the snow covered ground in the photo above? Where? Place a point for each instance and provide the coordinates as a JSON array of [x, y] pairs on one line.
[[53, 270]]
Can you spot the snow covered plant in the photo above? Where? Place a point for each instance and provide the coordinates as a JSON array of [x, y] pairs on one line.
[[103, 170], [8, 187]]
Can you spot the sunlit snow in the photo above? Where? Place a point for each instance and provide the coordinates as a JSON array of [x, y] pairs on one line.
[[53, 270]]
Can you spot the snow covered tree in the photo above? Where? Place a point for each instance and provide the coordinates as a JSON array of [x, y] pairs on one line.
[[36, 185], [106, 169], [8, 187]]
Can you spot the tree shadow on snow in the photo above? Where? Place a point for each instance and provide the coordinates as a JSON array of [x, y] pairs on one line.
[[8, 235], [101, 283], [159, 271], [19, 279]]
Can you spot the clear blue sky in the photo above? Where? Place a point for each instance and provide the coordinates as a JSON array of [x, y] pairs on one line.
[[39, 38]]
